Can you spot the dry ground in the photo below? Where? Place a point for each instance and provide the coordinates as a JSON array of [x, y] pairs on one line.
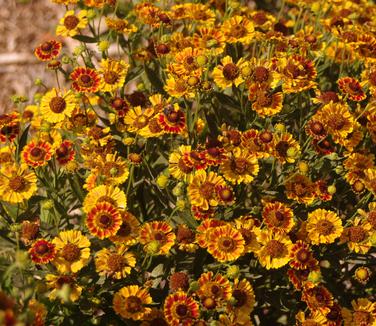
[[22, 28]]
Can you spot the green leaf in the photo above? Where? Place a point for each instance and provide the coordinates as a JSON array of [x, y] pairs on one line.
[[154, 80], [23, 141], [85, 39]]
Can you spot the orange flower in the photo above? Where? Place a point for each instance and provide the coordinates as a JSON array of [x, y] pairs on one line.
[[85, 80], [158, 238], [351, 88], [104, 220], [48, 50], [37, 153], [181, 309], [42, 251]]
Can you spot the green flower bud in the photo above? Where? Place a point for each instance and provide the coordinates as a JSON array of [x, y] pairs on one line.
[[103, 45], [233, 272]]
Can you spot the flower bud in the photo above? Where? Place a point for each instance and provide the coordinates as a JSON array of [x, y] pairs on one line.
[[280, 127], [233, 272], [303, 167], [332, 189], [162, 181], [103, 45]]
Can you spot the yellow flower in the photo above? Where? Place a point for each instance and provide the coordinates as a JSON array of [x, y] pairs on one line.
[[115, 263], [110, 194], [323, 226], [138, 119], [201, 190], [238, 29], [64, 287], [275, 249], [17, 184], [130, 302], [225, 243], [357, 236], [363, 313], [73, 251], [244, 297], [120, 25], [113, 73], [129, 230], [71, 23], [240, 166], [228, 73], [56, 105], [283, 144]]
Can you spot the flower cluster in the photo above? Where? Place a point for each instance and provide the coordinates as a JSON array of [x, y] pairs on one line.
[[195, 163]]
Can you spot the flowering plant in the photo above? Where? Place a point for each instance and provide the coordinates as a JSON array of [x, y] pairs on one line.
[[204, 163]]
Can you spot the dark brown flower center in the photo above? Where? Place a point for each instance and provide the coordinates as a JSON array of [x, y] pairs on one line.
[[282, 148], [275, 249], [207, 190], [133, 304], [227, 244], [261, 74], [184, 167], [357, 234], [159, 236], [303, 255], [86, 80], [372, 78], [71, 22], [266, 137], [328, 96], [71, 252], [182, 310], [371, 218], [225, 194], [125, 230], [141, 122], [57, 104], [292, 70], [336, 122], [46, 47], [17, 184], [110, 77], [260, 18], [362, 318], [317, 128], [325, 227], [185, 235], [240, 297], [264, 99], [173, 117], [105, 220], [42, 248], [116, 263], [230, 71], [38, 153]]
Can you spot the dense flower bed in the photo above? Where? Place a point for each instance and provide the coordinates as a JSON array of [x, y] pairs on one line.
[[207, 163]]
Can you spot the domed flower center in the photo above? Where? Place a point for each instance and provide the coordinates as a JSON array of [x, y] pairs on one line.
[[71, 252], [185, 235], [125, 230], [57, 104], [116, 263], [133, 304], [292, 70], [37, 153], [71, 22], [135, 158], [110, 77], [362, 318], [325, 227], [336, 122], [42, 248], [355, 87], [184, 167], [86, 80], [207, 190], [173, 117], [302, 255], [180, 86], [266, 137], [357, 234], [240, 165], [141, 122], [230, 71], [62, 151], [225, 194], [159, 236], [240, 297], [317, 128], [310, 39], [17, 184], [105, 220], [46, 47], [226, 244], [261, 74], [260, 18], [65, 279], [275, 249], [264, 99], [282, 148], [182, 310], [215, 289], [238, 31], [213, 151]]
